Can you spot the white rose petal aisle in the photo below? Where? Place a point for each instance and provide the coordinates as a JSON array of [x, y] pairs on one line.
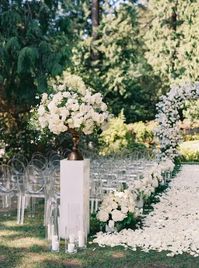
[[172, 226]]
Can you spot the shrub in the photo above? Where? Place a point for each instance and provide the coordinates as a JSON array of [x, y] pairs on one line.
[[143, 132], [117, 137], [189, 151]]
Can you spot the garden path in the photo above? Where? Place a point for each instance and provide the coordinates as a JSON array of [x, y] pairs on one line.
[[173, 225]]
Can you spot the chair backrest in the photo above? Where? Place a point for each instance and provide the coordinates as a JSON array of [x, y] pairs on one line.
[[21, 157], [55, 179], [7, 183], [39, 161], [17, 166], [34, 180]]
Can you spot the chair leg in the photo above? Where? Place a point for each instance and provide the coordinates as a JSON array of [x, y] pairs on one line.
[[96, 204], [3, 201], [19, 209], [92, 205], [33, 201], [45, 211], [23, 208]]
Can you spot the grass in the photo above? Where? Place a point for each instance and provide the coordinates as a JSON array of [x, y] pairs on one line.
[[25, 247]]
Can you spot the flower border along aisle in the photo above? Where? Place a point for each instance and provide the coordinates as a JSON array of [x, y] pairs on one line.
[[168, 117], [120, 209]]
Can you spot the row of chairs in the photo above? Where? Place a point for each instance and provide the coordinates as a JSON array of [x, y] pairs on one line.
[[29, 181], [39, 178]]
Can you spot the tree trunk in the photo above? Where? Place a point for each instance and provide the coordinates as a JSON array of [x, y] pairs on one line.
[[95, 24], [174, 20]]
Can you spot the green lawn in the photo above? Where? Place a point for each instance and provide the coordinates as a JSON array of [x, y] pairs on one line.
[[189, 151], [25, 247]]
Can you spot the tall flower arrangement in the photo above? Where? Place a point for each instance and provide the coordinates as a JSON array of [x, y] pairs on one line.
[[168, 117], [72, 105]]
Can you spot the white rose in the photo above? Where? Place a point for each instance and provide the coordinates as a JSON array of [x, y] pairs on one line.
[[119, 194], [44, 97], [52, 107], [41, 110], [103, 107], [108, 208], [102, 216], [43, 122], [117, 215], [155, 183], [114, 205], [70, 123], [66, 94], [75, 107], [124, 210]]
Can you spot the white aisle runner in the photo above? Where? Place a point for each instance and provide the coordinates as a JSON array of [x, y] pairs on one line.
[[173, 225]]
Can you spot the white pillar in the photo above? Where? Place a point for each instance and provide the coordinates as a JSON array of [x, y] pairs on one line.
[[74, 196]]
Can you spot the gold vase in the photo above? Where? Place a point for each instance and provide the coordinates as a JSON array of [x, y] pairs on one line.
[[75, 154]]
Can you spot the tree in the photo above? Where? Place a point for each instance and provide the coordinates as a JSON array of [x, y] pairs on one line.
[[172, 39], [35, 40], [121, 73]]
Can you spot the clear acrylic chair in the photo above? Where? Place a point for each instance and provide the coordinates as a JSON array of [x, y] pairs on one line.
[[31, 187], [7, 186]]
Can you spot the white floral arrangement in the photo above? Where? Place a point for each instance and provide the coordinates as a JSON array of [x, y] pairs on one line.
[[116, 207], [168, 130], [72, 106], [149, 181]]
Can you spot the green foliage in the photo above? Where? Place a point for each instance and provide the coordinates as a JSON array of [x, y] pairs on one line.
[[129, 222], [36, 39], [144, 132], [189, 151], [116, 137], [190, 127], [34, 44], [172, 38], [189, 156], [120, 71], [95, 225], [191, 111]]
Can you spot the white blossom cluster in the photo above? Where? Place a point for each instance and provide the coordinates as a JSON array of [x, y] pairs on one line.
[[116, 205], [72, 106], [168, 117], [151, 179], [173, 224]]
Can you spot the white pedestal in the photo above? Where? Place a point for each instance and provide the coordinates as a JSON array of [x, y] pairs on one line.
[[74, 197]]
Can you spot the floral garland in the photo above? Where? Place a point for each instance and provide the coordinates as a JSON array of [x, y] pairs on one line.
[[119, 208], [72, 106], [168, 132]]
